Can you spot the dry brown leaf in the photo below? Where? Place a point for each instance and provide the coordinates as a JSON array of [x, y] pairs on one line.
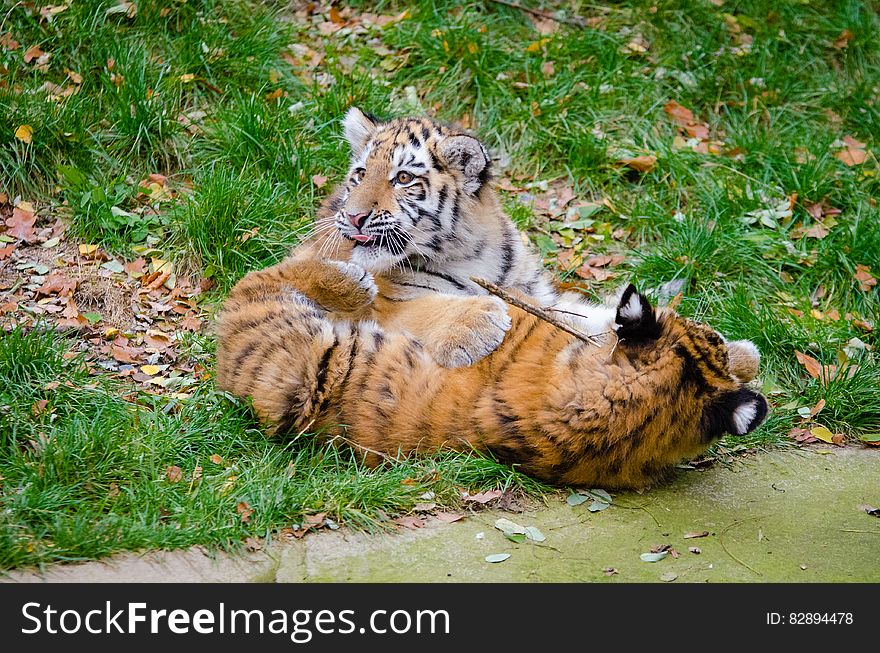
[[173, 473], [33, 52], [851, 156], [450, 517], [644, 163], [253, 543], [842, 41], [58, 284], [696, 534], [21, 224], [319, 180], [410, 521], [244, 509], [813, 367], [865, 278], [482, 497], [678, 114]]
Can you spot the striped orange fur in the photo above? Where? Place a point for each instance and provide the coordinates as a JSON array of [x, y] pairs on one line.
[[323, 347]]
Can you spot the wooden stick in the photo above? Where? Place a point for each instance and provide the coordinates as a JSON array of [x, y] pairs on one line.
[[577, 21], [537, 311]]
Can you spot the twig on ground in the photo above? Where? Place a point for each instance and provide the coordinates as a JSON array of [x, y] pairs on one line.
[[537, 311], [727, 551]]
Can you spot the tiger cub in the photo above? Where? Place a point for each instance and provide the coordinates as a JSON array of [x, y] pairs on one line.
[[303, 340], [417, 207]]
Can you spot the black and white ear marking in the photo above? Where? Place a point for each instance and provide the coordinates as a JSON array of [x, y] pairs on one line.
[[635, 317], [467, 155], [359, 128], [737, 412]]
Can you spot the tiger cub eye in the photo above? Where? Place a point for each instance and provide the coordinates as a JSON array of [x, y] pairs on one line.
[[403, 177]]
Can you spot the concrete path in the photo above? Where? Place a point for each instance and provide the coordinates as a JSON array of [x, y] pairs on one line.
[[779, 516]]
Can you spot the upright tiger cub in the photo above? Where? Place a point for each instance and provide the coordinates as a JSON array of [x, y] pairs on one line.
[[417, 207], [319, 348]]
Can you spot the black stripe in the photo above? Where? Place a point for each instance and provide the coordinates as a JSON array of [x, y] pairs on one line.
[[455, 282], [323, 367]]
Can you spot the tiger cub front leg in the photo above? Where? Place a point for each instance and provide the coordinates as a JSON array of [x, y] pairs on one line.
[[456, 331], [339, 287]]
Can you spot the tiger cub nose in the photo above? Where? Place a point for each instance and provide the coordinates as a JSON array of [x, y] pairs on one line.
[[357, 219]]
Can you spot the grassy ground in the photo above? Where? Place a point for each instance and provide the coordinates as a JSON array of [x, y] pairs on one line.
[[718, 152]]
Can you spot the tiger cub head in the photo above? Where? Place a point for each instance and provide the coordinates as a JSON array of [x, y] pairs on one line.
[[410, 182], [707, 372]]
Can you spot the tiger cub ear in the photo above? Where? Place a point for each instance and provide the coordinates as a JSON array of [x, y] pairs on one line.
[[737, 412], [359, 128], [467, 155], [635, 317]]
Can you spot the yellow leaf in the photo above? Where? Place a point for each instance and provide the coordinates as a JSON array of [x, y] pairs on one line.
[[152, 370], [85, 250], [160, 265], [24, 133], [822, 433], [537, 45], [187, 78]]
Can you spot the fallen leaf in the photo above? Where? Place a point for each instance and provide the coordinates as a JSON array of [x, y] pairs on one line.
[[678, 113], [534, 534], [644, 163], [597, 506], [575, 499], [497, 557], [482, 497], [39, 407], [654, 557], [33, 52], [822, 433], [842, 41], [21, 224], [695, 534], [669, 576], [253, 544], [865, 278], [507, 526], [449, 517], [813, 367], [215, 458], [24, 133], [173, 473], [58, 284], [319, 180], [6, 251], [410, 521], [244, 509]]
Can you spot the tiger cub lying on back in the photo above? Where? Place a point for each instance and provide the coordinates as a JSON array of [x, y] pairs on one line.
[[318, 343], [303, 340]]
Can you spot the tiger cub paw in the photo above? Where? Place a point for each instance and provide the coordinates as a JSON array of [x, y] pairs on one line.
[[365, 290], [470, 332]]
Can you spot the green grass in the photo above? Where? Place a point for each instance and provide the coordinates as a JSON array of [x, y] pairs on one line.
[[209, 93]]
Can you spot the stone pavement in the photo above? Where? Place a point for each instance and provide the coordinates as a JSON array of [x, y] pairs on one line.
[[781, 516]]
